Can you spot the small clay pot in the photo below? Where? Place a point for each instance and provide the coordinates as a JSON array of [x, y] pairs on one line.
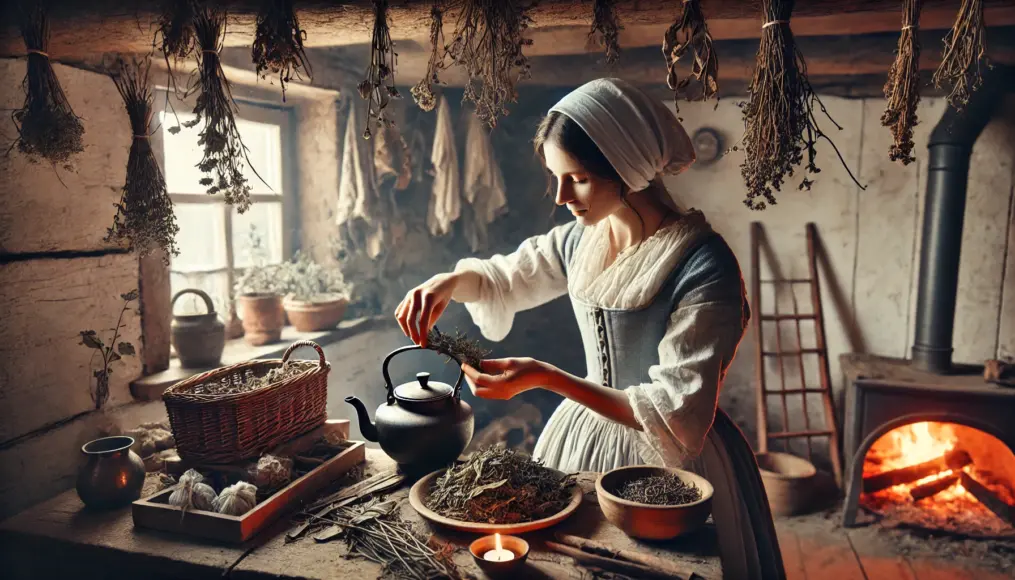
[[114, 474], [652, 522], [316, 315], [263, 317], [198, 338]]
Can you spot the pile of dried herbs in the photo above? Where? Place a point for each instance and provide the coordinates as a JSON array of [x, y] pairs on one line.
[[423, 93], [902, 90], [606, 28], [666, 489], [459, 346], [228, 385], [278, 43], [965, 54], [144, 215], [487, 43], [379, 87], [779, 114], [500, 486], [689, 35], [47, 126]]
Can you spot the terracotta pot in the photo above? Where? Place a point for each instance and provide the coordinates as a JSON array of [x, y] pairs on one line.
[[312, 316], [263, 317], [652, 522], [198, 338], [114, 474], [789, 482]]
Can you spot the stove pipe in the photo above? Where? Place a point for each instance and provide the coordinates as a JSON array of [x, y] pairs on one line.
[[949, 148]]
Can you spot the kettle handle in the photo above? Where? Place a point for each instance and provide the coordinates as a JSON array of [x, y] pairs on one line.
[[457, 393], [204, 296]]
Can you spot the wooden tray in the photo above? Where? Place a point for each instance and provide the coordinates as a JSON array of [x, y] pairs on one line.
[[421, 490], [156, 513]]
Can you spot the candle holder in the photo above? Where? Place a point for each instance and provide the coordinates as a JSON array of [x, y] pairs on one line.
[[488, 547]]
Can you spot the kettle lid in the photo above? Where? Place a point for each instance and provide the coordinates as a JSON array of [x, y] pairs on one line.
[[423, 389]]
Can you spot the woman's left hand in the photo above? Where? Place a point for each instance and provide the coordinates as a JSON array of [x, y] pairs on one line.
[[506, 377]]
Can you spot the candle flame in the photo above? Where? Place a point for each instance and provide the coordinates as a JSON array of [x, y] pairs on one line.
[[496, 542]]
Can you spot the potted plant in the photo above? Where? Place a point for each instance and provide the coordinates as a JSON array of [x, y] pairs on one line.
[[316, 296], [259, 293]]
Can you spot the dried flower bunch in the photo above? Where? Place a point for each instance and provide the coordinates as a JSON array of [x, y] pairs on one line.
[[278, 43], [224, 151], [379, 86], [144, 215], [460, 346], [606, 28], [111, 353], [689, 35], [423, 93], [965, 54], [176, 29], [487, 43], [47, 126], [779, 114], [902, 90]]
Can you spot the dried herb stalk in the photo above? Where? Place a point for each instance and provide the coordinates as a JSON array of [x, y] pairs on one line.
[[278, 43], [144, 215], [460, 346], [500, 486], [902, 90], [110, 353], [689, 36], [176, 29], [423, 93], [606, 28], [666, 489], [779, 114], [224, 151], [965, 54], [379, 87], [47, 126], [488, 43]]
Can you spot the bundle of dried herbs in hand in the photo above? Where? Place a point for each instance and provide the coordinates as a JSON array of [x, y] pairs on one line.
[[666, 489], [965, 52], [779, 114], [144, 215], [500, 486], [459, 346], [689, 35], [379, 87], [46, 124], [902, 90], [423, 93], [278, 43], [224, 151], [606, 28], [488, 43]]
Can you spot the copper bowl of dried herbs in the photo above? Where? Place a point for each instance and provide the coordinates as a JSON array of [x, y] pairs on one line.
[[654, 503]]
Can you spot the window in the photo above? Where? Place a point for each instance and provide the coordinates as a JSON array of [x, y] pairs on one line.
[[215, 241]]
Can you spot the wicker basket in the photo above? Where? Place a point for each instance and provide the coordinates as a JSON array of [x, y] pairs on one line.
[[223, 428]]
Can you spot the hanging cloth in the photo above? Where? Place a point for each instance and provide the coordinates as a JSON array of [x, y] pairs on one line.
[[357, 212], [446, 198], [482, 184]]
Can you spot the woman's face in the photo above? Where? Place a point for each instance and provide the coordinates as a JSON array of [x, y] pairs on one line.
[[590, 198]]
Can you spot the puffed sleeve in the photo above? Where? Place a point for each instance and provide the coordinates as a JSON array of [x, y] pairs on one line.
[[532, 275]]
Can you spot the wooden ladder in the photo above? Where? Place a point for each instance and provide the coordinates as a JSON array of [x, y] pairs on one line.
[[831, 429]]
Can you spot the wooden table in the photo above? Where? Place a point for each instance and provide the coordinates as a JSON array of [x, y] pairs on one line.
[[60, 538]]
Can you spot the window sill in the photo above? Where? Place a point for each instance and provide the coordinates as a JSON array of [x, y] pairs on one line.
[[151, 387]]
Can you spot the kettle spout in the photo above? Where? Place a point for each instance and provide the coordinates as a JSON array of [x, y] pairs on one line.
[[366, 426]]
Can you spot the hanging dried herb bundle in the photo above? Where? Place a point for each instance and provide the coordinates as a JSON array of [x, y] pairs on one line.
[[500, 486], [423, 93], [779, 114], [176, 29], [460, 346], [488, 43], [144, 215], [224, 151], [689, 35], [379, 87], [965, 53], [606, 28], [278, 43], [47, 126], [902, 90]]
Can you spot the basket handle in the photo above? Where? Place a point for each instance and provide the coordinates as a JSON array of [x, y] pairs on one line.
[[204, 295], [298, 344]]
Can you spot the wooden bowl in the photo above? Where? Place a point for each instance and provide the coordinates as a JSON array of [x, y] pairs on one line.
[[789, 482], [513, 544], [421, 490], [652, 522]]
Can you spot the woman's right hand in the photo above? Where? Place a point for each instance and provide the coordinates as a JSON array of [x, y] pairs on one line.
[[424, 304]]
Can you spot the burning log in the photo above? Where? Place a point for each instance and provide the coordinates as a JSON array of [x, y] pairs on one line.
[[987, 497], [935, 487], [955, 459]]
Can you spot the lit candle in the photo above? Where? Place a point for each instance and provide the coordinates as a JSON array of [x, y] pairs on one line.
[[498, 554]]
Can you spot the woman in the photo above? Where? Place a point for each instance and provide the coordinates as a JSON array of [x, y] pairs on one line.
[[660, 303]]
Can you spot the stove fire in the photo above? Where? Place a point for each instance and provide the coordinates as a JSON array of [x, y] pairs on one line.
[[942, 475]]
